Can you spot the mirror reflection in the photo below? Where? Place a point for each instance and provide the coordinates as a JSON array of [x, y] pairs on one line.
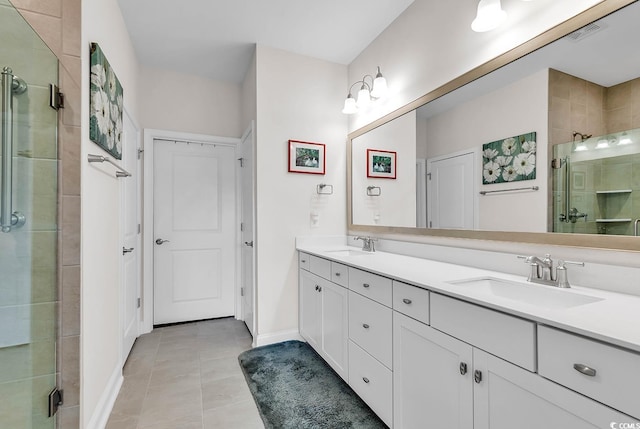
[[578, 92]]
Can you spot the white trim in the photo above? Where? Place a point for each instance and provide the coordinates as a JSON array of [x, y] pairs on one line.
[[107, 400], [277, 337], [147, 240]]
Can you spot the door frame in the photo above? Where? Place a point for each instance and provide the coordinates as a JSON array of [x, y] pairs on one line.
[[147, 220]]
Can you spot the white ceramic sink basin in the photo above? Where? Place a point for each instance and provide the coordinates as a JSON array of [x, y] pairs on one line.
[[349, 252], [529, 293]]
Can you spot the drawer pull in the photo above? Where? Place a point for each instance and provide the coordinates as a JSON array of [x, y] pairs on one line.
[[407, 301], [365, 285], [337, 274], [477, 376], [463, 368], [584, 369], [365, 326], [303, 260], [365, 379]]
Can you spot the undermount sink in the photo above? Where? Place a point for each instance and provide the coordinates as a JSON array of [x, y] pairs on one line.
[[532, 294], [349, 252]]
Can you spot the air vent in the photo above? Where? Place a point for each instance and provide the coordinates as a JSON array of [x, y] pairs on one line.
[[585, 31]]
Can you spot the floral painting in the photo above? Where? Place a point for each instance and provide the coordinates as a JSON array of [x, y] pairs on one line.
[[105, 122], [509, 160]]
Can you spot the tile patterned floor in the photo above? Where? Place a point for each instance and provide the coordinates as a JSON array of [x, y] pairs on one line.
[[187, 377]]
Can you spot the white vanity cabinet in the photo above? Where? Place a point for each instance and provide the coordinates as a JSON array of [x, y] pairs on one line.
[[323, 314]]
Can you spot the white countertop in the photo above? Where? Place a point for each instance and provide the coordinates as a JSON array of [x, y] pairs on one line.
[[615, 319]]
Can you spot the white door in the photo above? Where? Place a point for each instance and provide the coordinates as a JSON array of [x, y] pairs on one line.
[[432, 377], [248, 244], [131, 247], [310, 311], [450, 191], [335, 326], [194, 231]]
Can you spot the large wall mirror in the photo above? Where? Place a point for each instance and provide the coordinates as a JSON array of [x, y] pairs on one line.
[[540, 145]]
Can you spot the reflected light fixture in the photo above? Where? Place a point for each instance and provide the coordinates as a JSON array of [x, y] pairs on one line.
[[368, 92], [581, 146], [602, 144], [490, 15], [625, 139]]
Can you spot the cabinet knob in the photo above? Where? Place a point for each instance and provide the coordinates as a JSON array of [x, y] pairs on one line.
[[477, 376], [303, 260], [365, 379], [337, 274], [463, 368], [407, 301], [584, 369], [319, 288], [365, 285], [365, 326]]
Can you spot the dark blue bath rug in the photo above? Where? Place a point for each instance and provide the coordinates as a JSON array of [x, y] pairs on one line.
[[295, 388]]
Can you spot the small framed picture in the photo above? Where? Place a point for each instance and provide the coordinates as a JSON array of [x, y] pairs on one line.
[[306, 157], [381, 164]]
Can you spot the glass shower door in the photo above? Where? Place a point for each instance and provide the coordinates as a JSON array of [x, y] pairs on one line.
[[28, 225]]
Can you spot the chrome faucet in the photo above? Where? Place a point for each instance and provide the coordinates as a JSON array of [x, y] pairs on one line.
[[544, 272], [368, 243]]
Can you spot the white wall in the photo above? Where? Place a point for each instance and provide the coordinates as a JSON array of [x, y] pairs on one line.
[[492, 117], [432, 43], [396, 205], [248, 95], [101, 255], [298, 98], [181, 102]]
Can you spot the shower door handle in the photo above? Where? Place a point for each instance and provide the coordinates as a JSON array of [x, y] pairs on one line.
[[10, 84]]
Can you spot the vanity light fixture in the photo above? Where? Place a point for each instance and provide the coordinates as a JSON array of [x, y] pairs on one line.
[[490, 15], [367, 92]]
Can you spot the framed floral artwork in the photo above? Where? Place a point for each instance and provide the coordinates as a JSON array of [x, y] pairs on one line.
[[381, 164], [509, 160], [105, 120], [306, 157]]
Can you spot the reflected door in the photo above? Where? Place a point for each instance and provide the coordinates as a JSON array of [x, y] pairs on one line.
[[450, 198], [28, 237]]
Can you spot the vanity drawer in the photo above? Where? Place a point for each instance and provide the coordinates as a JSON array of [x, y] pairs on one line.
[[372, 381], [412, 301], [340, 274], [370, 326], [303, 261], [371, 285], [505, 336], [617, 371], [319, 266]]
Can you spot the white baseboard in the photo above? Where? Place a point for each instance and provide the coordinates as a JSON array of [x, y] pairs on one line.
[[107, 400], [277, 337]]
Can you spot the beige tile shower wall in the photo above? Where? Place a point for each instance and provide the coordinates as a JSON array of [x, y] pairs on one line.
[[58, 24], [622, 106]]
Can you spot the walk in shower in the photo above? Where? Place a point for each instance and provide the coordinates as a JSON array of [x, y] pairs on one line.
[[596, 184], [29, 225]]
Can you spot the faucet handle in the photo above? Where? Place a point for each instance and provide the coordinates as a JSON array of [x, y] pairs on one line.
[[561, 272]]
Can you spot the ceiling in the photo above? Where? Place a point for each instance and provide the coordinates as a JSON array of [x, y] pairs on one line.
[[216, 38]]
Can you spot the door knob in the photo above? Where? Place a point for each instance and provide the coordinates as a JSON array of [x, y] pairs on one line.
[[159, 241], [250, 243], [127, 250]]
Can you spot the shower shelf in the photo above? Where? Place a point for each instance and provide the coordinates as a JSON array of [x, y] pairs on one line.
[[612, 220], [615, 191]]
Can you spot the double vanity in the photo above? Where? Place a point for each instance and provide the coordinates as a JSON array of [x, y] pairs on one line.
[[430, 344]]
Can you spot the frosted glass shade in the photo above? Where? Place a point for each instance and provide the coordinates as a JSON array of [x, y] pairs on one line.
[[490, 15], [350, 106], [364, 97], [379, 87]]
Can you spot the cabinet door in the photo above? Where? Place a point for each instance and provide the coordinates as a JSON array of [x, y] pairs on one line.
[[334, 327], [429, 388], [310, 322], [508, 396]]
